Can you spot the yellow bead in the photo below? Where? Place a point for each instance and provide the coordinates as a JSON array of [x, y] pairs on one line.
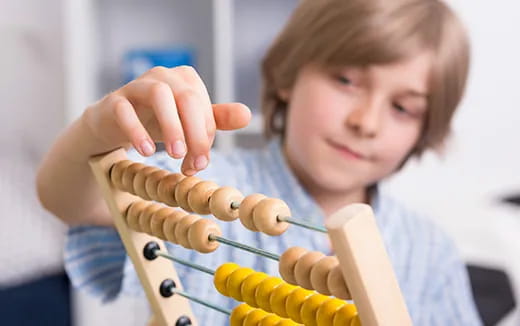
[[254, 317], [355, 321], [287, 322], [345, 315], [234, 282], [270, 320], [264, 290], [279, 297], [328, 310], [238, 314], [310, 308], [249, 287], [295, 301], [221, 275]]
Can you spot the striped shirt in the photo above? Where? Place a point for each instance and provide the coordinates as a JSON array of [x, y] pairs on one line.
[[432, 277]]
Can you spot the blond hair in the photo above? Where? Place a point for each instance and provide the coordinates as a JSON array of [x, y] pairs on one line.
[[333, 33]]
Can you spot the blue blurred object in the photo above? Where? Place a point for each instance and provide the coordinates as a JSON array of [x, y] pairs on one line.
[[136, 62]]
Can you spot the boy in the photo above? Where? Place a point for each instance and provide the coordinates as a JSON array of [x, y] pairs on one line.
[[352, 89]]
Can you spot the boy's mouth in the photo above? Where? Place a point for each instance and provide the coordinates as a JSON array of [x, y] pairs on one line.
[[346, 151]]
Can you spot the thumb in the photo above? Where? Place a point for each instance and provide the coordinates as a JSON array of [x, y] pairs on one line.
[[230, 116]]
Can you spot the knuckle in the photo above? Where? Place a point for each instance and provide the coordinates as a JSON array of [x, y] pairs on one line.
[[188, 73], [186, 98], [158, 90], [158, 71]]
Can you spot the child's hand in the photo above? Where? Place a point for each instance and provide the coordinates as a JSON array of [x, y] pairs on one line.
[[168, 105]]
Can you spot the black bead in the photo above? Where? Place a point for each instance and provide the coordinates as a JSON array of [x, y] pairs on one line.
[[166, 288], [183, 321], [149, 250]]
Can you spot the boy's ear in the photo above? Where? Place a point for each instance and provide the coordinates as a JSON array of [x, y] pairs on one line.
[[284, 94]]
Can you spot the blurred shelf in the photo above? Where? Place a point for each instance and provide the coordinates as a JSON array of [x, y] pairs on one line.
[[228, 37]]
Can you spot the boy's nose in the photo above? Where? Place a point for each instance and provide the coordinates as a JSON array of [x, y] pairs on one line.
[[365, 119]]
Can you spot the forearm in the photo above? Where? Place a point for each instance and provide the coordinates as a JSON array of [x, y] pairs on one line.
[[65, 183]]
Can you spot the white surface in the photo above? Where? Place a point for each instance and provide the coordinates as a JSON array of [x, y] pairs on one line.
[[31, 112]]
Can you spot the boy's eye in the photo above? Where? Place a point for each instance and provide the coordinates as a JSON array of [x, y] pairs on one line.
[[401, 109], [344, 80]]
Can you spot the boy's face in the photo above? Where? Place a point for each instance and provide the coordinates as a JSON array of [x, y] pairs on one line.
[[350, 127]]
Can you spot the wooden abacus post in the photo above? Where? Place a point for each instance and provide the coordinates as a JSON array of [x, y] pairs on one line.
[[166, 310], [366, 267]]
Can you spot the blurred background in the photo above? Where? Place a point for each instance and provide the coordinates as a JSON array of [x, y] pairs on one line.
[[58, 56]]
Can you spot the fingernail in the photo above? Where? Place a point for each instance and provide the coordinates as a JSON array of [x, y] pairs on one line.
[[178, 149], [201, 162], [146, 148]]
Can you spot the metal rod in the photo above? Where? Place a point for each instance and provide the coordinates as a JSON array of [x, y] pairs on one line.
[[202, 302], [239, 245], [185, 262], [299, 222]]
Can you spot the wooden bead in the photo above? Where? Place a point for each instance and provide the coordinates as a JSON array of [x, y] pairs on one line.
[[249, 287], [166, 188], [157, 222], [287, 262], [238, 314], [221, 275], [310, 309], [254, 317], [220, 203], [295, 301], [245, 212], [264, 291], [337, 285], [198, 235], [345, 315], [151, 184], [235, 280], [116, 173], [198, 196], [265, 216], [279, 298], [133, 214], [302, 269], [327, 311], [129, 176], [181, 230], [140, 181], [182, 190], [170, 224], [319, 273], [145, 219]]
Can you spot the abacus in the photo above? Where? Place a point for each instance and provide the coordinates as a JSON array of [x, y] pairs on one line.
[[314, 289]]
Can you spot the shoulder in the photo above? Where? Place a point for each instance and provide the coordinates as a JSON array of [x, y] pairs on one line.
[[414, 241], [397, 219]]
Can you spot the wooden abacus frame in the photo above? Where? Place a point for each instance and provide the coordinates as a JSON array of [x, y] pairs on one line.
[[352, 230]]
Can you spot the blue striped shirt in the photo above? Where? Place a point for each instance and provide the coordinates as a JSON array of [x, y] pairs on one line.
[[432, 277]]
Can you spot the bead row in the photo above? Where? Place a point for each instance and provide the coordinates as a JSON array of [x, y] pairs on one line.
[[245, 315], [256, 212], [273, 295], [313, 270], [176, 226]]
